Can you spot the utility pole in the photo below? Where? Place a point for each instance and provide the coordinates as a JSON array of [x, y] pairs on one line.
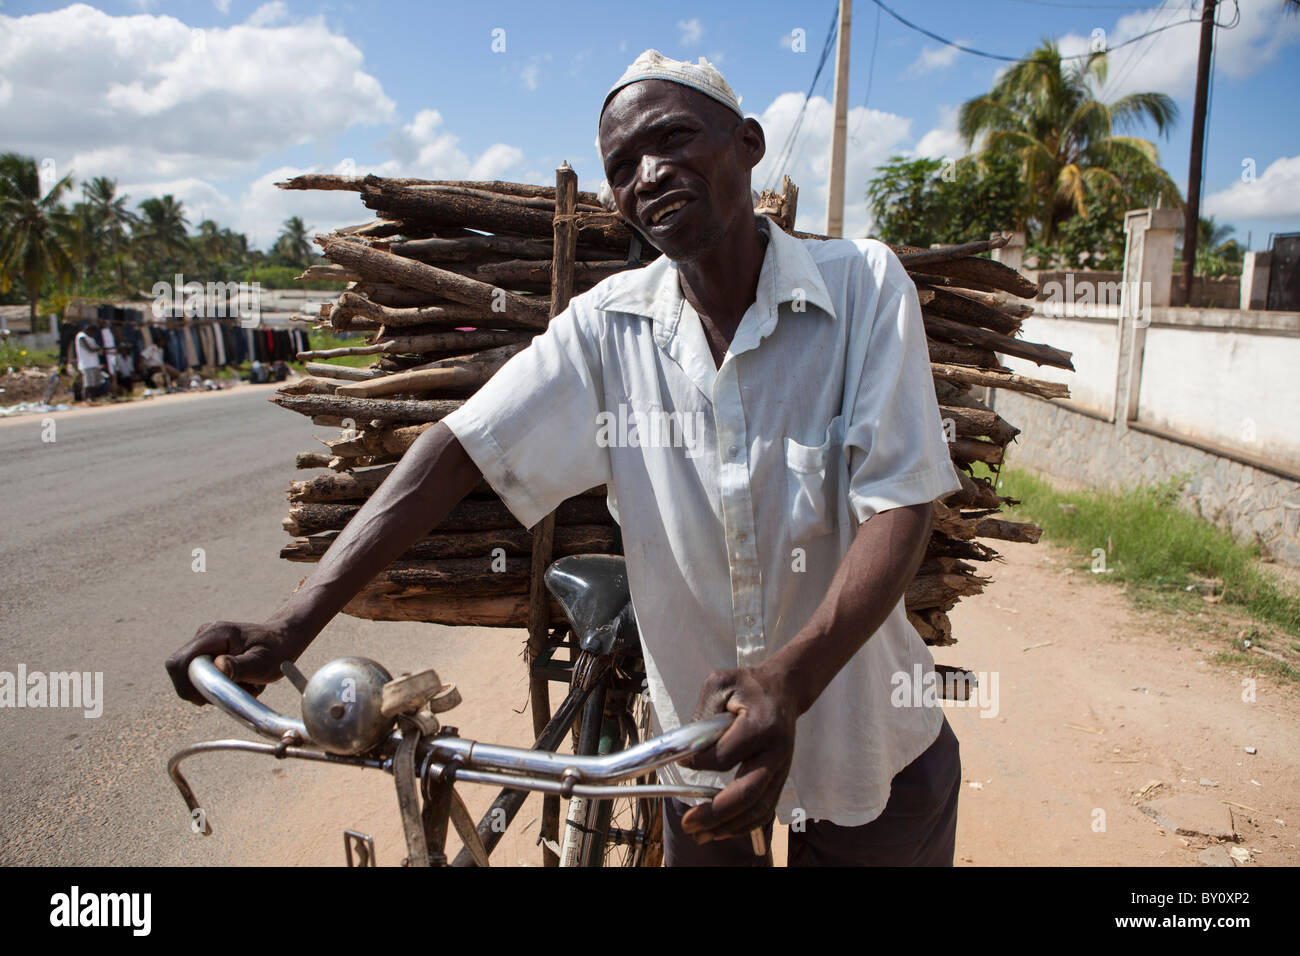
[[1192, 209], [839, 133]]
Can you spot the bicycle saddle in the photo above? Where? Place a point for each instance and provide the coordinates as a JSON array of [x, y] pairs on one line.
[[592, 589]]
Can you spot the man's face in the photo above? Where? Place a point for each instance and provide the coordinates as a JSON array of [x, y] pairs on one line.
[[679, 165]]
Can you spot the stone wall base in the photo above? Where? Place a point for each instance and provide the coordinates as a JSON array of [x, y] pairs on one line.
[[1253, 504]]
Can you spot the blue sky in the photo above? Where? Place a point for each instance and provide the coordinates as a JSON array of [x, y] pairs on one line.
[[213, 101]]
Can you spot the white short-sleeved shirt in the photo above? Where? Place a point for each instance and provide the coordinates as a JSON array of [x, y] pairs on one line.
[[87, 352], [740, 489]]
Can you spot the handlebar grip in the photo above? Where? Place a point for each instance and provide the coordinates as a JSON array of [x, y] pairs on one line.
[[223, 693]]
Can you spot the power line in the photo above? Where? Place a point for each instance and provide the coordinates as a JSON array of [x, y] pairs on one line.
[[783, 158], [1079, 6], [1010, 59]]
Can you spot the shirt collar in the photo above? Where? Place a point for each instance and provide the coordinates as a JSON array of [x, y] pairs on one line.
[[789, 274]]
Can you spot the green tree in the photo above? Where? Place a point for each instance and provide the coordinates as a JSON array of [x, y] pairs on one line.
[[113, 221], [35, 245], [1045, 113], [162, 236], [293, 247], [924, 201]]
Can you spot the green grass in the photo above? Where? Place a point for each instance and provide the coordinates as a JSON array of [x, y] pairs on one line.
[[1156, 547], [14, 355], [328, 340]]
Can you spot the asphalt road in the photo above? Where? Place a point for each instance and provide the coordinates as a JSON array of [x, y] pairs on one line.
[[98, 540]]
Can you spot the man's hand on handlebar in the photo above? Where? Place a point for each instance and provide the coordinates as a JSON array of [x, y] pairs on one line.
[[760, 740], [249, 654]]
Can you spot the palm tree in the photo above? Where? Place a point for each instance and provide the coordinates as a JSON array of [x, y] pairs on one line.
[[163, 234], [1046, 114], [112, 219], [294, 246], [34, 238]]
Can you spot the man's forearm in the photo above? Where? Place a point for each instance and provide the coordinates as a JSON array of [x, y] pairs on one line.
[[431, 479], [870, 581]]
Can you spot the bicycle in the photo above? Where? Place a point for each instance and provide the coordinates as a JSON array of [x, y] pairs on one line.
[[356, 714]]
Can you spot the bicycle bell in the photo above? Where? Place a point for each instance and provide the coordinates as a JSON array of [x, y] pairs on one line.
[[341, 705]]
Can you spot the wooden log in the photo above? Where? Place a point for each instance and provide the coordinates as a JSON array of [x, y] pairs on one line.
[[986, 272], [930, 279], [969, 449], [974, 493], [980, 423], [469, 577], [328, 272], [479, 248], [1007, 380], [569, 539], [469, 371], [996, 300], [381, 600], [341, 372], [933, 626], [940, 590], [308, 386], [447, 315], [416, 411], [514, 189], [535, 275], [944, 564], [312, 459], [426, 278], [469, 515], [352, 486], [944, 253], [372, 442], [959, 308], [941, 545], [1003, 530], [951, 353], [490, 215], [948, 330], [435, 342]]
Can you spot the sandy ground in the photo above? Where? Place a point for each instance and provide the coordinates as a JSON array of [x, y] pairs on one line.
[[1101, 711]]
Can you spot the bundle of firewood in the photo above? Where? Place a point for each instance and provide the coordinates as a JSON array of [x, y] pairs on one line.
[[453, 278]]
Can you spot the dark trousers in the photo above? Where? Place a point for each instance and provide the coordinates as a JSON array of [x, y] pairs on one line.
[[918, 826]]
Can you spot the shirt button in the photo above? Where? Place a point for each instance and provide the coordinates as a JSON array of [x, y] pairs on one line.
[[742, 536], [749, 620], [733, 451]]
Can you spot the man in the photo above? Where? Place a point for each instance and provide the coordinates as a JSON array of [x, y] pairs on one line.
[[94, 380], [764, 551]]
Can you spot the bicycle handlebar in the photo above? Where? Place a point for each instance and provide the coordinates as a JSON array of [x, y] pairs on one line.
[[477, 761], [226, 695]]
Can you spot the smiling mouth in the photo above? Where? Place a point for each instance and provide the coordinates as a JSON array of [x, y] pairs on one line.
[[665, 215]]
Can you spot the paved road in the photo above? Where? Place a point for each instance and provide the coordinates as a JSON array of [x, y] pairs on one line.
[[100, 527]]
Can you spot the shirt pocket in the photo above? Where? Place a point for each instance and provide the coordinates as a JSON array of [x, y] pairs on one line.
[[812, 483]]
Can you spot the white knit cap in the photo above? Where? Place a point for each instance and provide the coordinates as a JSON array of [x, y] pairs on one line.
[[703, 77]]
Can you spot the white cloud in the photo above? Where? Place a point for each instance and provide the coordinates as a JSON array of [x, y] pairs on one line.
[[692, 31], [269, 14], [1274, 194], [1166, 62], [529, 75], [424, 148], [146, 98], [135, 100], [878, 135], [934, 58], [943, 141], [223, 6]]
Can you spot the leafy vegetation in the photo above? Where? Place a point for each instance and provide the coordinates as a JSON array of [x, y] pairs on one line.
[[1052, 160], [104, 246], [1151, 543]]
